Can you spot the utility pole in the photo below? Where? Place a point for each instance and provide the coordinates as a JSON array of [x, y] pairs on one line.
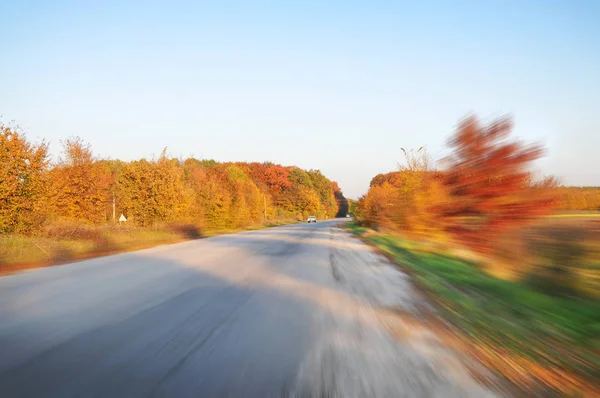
[[114, 214], [265, 202]]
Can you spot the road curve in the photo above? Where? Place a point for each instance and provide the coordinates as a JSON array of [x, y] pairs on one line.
[[301, 310]]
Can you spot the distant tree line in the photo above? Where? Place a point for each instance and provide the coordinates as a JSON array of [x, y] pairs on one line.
[[214, 195], [579, 198]]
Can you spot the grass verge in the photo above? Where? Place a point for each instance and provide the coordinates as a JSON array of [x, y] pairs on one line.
[[65, 243], [541, 343]]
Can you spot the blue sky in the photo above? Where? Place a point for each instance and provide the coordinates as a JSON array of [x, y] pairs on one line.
[[335, 86]]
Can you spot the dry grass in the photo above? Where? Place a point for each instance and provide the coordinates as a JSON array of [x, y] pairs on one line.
[[58, 244], [61, 242]]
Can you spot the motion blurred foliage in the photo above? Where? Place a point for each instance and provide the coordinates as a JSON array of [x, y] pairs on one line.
[[484, 198], [490, 183], [512, 261], [484, 188], [579, 198]]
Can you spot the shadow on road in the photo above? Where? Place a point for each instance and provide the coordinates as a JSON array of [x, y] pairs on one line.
[[230, 316]]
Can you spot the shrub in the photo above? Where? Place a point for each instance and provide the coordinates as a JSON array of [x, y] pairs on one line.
[[189, 231]]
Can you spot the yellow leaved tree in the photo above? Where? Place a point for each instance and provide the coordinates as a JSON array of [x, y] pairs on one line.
[[22, 181], [150, 192], [79, 187]]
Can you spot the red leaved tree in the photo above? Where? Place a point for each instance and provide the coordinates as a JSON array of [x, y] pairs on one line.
[[489, 183]]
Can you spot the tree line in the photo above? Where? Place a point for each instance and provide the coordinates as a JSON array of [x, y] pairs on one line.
[[579, 198], [215, 195]]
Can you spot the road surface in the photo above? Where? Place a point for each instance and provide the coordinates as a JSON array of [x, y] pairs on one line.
[[301, 310]]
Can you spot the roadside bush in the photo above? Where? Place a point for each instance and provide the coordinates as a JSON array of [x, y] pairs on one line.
[[189, 231], [77, 231]]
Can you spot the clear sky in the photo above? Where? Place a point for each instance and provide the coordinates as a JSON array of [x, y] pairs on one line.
[[336, 86]]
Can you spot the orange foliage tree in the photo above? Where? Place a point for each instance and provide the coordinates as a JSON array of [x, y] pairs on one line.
[[408, 199], [22, 181], [489, 182], [579, 198], [485, 187], [150, 192], [274, 177], [79, 185], [207, 193], [246, 198], [215, 199]]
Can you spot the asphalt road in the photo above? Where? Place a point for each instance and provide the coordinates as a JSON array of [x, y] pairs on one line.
[[301, 310]]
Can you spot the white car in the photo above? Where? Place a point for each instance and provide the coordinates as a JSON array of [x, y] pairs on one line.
[[312, 219]]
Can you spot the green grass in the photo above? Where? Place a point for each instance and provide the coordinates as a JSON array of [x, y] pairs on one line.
[[506, 314], [356, 228]]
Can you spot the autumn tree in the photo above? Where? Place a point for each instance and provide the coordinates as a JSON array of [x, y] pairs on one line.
[[114, 168], [323, 188], [354, 209], [22, 181], [215, 199], [421, 195], [407, 200], [377, 207], [79, 185], [247, 203], [579, 198], [299, 199], [149, 192], [297, 177], [273, 176], [195, 177], [487, 177]]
